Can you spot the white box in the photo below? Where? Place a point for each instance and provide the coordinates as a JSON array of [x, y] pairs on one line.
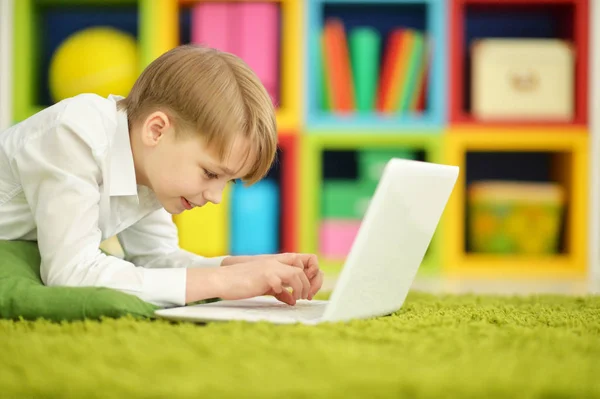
[[522, 79]]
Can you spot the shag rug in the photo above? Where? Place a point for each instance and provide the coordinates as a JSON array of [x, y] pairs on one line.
[[435, 347]]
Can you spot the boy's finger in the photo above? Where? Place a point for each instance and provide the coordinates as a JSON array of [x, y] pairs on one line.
[[291, 259], [316, 284], [290, 279], [305, 286], [311, 271], [276, 284], [298, 262], [286, 297], [311, 264], [297, 286]]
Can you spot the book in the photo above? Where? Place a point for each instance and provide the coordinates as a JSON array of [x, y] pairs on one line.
[[364, 51], [210, 25], [255, 29], [338, 70]]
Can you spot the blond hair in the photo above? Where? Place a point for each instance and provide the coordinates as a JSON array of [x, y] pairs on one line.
[[213, 93]]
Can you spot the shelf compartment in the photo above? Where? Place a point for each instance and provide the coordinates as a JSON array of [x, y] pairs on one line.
[[342, 160], [158, 27], [476, 19], [382, 17], [556, 155], [42, 25], [288, 97], [209, 231]]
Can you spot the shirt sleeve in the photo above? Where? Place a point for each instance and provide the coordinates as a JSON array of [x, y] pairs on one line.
[[61, 181], [153, 242]]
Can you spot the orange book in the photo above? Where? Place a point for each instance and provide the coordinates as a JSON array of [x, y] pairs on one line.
[[400, 72], [392, 51], [338, 69], [393, 73]]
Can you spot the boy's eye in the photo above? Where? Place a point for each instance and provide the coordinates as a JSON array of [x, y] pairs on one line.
[[210, 174]]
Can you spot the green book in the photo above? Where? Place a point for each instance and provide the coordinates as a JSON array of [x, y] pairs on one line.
[[325, 96], [364, 55], [372, 161], [344, 199]]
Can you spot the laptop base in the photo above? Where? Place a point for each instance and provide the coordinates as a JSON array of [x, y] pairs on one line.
[[257, 309]]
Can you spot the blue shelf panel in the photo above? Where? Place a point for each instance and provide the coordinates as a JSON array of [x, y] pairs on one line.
[[428, 16], [349, 123], [377, 2]]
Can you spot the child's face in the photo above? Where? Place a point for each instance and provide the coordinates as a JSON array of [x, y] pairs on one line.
[[183, 173]]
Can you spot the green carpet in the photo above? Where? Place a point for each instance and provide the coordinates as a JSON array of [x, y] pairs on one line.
[[436, 346]]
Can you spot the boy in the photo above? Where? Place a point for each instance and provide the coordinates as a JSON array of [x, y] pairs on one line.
[[89, 168]]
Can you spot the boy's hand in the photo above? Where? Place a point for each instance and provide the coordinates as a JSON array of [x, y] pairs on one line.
[[266, 276], [307, 262]]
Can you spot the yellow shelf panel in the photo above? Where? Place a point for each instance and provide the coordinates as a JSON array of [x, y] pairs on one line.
[[570, 169], [292, 17], [485, 265], [517, 138]]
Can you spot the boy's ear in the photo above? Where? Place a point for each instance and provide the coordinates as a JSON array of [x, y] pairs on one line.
[[157, 124]]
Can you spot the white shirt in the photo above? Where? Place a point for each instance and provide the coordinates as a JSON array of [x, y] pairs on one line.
[[67, 180]]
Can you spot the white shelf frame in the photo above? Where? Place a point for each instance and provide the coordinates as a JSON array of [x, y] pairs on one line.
[[594, 114], [6, 62]]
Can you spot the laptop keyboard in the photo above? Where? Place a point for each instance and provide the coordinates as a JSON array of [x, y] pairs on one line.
[[305, 311]]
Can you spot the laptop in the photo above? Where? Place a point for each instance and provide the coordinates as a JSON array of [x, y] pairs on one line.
[[381, 265]]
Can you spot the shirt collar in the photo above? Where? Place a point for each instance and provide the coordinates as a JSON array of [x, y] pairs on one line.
[[122, 169]]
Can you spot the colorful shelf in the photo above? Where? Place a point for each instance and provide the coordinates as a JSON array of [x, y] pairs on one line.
[[444, 130], [156, 24], [40, 26], [426, 17], [470, 20], [568, 166], [289, 53], [312, 180], [213, 230]]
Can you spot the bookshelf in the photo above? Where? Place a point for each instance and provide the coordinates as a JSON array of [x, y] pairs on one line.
[[559, 157], [382, 17], [290, 16], [157, 26], [478, 19], [441, 128], [556, 150], [262, 218], [41, 25], [345, 166], [562, 144]]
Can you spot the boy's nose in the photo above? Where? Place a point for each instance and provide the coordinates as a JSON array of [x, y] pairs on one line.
[[213, 196]]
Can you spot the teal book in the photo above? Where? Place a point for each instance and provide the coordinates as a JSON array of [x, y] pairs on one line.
[[413, 71]]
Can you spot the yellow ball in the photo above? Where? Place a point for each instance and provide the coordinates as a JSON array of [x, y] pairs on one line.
[[98, 60]]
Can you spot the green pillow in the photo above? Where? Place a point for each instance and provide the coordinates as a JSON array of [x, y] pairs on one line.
[[24, 295]]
